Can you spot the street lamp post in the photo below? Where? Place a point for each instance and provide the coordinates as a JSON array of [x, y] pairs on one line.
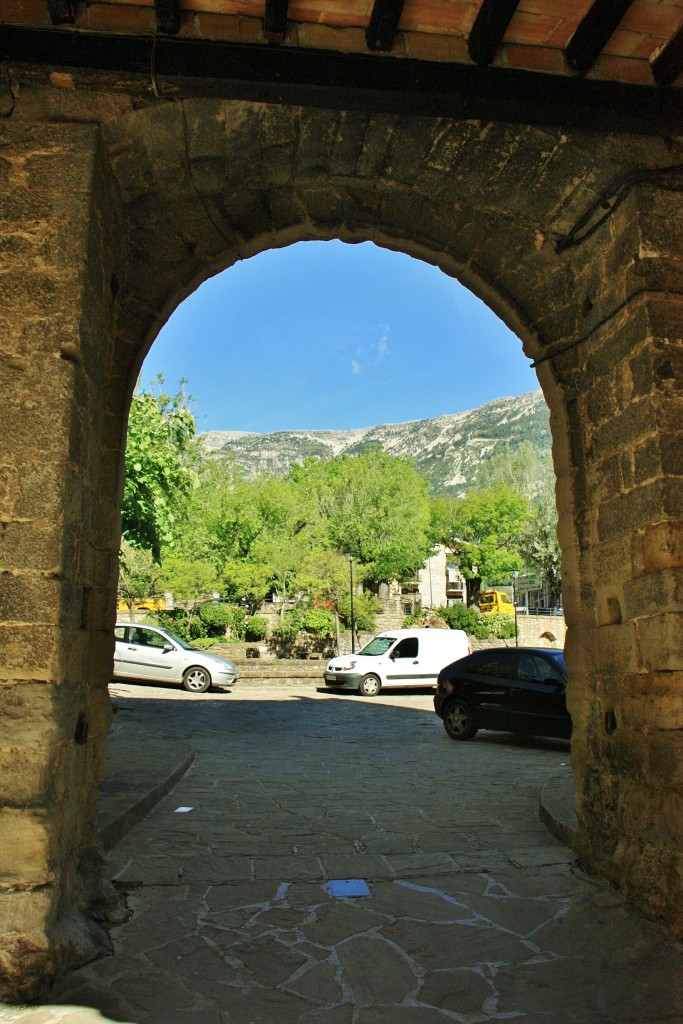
[[349, 555], [515, 574]]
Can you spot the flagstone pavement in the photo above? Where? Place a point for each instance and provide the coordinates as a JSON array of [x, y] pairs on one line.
[[283, 799]]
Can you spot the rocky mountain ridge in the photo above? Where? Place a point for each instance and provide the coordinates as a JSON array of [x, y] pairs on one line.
[[448, 449]]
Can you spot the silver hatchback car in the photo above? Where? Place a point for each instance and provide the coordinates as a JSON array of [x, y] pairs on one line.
[[158, 656]]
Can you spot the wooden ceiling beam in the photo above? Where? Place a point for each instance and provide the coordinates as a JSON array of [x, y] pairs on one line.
[[588, 42], [62, 12], [275, 20], [668, 64], [185, 67], [383, 24], [489, 29]]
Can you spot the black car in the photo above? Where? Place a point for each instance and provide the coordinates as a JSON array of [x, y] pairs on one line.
[[515, 689]]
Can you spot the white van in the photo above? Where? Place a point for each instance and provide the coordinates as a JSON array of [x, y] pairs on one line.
[[398, 657]]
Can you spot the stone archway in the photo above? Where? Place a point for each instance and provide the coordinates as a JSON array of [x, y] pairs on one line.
[[112, 219]]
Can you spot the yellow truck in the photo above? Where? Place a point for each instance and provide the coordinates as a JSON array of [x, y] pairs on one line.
[[142, 604], [496, 602]]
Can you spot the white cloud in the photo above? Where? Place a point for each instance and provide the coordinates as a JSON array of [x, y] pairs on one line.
[[355, 366]]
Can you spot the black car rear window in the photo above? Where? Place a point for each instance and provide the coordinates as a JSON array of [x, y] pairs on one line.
[[500, 664]]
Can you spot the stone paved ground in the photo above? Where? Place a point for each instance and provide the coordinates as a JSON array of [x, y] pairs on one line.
[[474, 912]]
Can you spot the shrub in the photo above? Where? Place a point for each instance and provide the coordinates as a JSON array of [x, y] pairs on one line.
[[318, 621], [490, 627], [177, 622], [256, 628], [459, 616], [215, 617], [197, 628], [202, 643], [288, 627]]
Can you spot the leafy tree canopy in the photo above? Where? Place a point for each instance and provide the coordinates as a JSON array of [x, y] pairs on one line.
[[524, 468], [160, 467], [139, 575], [375, 505], [540, 548], [484, 530], [188, 579]]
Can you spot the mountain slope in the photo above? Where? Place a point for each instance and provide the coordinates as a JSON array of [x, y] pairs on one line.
[[448, 450]]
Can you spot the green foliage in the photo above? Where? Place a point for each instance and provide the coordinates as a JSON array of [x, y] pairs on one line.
[[540, 547], [488, 627], [484, 530], [160, 467], [215, 618], [256, 628], [177, 621], [188, 579], [238, 618], [460, 616], [247, 582], [529, 471], [139, 575], [288, 627], [365, 609], [202, 643], [318, 621], [524, 469], [375, 505], [196, 628]]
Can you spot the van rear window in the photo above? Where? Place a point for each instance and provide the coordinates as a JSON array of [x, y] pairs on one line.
[[378, 645]]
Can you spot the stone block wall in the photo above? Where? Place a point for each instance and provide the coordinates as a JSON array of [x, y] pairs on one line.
[[113, 207], [56, 557]]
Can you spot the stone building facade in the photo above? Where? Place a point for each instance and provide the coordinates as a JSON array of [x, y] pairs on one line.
[[115, 203]]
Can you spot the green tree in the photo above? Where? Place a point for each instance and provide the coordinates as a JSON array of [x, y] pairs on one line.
[[376, 505], [190, 580], [524, 469], [139, 575], [160, 467], [540, 548], [247, 582], [484, 531], [529, 471]]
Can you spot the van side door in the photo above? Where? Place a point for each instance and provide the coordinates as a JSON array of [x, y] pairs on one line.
[[408, 666]]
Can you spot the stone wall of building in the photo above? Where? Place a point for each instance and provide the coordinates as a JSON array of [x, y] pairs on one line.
[[57, 545], [113, 207]]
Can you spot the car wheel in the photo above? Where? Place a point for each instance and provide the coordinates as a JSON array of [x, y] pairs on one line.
[[458, 720], [369, 686], [197, 680]]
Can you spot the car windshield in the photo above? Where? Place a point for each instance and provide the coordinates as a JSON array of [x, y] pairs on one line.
[[379, 645], [176, 640]]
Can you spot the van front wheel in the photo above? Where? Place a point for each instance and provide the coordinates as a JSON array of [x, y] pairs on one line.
[[369, 686]]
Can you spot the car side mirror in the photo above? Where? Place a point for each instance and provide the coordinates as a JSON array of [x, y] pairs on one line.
[[168, 647], [557, 684]]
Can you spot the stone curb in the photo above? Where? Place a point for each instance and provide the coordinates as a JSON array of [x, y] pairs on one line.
[[556, 806], [115, 824]]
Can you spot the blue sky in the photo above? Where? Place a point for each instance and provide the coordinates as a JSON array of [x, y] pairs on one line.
[[323, 335]]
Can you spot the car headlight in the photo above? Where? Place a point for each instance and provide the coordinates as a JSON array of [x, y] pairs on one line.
[[347, 666]]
